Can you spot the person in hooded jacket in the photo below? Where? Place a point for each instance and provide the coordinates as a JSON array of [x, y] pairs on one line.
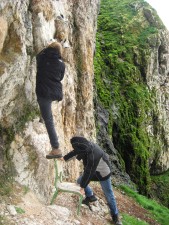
[[50, 72], [96, 168]]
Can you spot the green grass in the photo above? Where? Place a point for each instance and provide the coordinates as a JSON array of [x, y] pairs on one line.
[[5, 185], [128, 220], [4, 220], [160, 188], [19, 210], [158, 212], [25, 189]]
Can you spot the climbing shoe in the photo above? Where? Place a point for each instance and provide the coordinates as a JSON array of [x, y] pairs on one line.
[[55, 153], [116, 220], [87, 200]]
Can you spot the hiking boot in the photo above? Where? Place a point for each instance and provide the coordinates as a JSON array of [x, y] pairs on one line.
[[55, 153], [117, 220], [87, 200]]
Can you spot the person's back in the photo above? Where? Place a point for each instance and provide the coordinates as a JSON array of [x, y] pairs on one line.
[[50, 72]]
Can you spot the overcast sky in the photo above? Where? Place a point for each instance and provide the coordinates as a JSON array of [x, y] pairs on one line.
[[162, 8]]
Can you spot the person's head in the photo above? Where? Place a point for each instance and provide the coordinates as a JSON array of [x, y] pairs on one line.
[[56, 45], [80, 144]]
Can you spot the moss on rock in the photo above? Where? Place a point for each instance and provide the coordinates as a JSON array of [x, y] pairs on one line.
[[121, 60]]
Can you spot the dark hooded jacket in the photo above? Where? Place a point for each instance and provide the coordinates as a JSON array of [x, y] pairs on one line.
[[95, 160], [50, 72]]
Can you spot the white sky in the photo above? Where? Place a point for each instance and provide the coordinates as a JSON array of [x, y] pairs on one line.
[[162, 8]]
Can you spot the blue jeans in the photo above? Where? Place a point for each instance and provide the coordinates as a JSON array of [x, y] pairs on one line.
[[108, 192], [45, 106]]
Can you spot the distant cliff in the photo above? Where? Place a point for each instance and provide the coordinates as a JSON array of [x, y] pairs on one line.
[[132, 86]]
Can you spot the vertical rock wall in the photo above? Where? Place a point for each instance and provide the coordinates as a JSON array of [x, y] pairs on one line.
[[25, 28], [158, 81]]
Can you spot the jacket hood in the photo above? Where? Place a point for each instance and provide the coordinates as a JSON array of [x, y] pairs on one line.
[[51, 53], [80, 144]]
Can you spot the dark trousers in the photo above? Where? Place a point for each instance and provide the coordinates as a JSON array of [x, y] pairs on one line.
[[46, 112]]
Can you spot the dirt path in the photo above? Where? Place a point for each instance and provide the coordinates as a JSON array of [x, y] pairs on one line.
[[63, 211]]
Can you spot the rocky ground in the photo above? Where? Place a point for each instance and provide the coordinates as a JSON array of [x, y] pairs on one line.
[[23, 208]]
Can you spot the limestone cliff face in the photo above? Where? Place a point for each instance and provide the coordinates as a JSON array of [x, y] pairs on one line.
[[25, 28], [157, 76]]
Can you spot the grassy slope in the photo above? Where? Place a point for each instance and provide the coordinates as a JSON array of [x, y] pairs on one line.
[[158, 212], [160, 188]]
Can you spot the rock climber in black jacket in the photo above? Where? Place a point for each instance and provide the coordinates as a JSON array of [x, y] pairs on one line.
[[96, 168], [50, 72]]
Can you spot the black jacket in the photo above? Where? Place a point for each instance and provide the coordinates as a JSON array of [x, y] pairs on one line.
[[91, 154], [50, 72]]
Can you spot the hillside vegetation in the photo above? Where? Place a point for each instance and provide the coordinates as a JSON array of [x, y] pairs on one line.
[[124, 37]]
